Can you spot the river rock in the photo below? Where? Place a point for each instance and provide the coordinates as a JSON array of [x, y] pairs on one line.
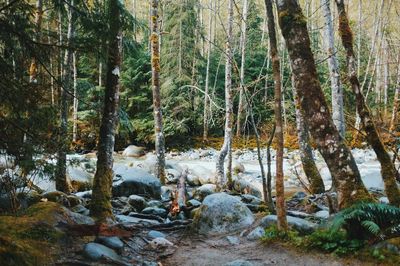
[[256, 234], [96, 252], [133, 151], [222, 213], [301, 225], [201, 192], [193, 180], [205, 175], [111, 242], [137, 181], [194, 203], [137, 202], [155, 211], [155, 234]]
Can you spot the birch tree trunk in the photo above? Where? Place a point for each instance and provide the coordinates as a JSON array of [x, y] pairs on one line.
[[102, 183], [306, 155], [388, 169], [226, 146], [345, 175], [242, 68], [206, 89], [396, 101], [336, 86], [279, 187], [155, 77], [33, 70], [62, 183]]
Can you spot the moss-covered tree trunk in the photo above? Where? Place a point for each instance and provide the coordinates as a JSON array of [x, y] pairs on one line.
[[222, 181], [343, 168], [279, 187], [62, 183], [102, 183], [155, 77], [396, 100], [388, 169], [306, 155]]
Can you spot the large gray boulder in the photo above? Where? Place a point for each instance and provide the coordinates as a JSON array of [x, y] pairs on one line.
[[133, 151], [137, 181], [299, 224], [222, 213]]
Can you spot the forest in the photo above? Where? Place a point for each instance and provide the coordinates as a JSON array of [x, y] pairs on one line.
[[199, 132]]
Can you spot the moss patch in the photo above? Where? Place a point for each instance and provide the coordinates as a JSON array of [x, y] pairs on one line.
[[30, 238]]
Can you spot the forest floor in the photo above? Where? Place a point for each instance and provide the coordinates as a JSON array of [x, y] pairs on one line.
[[210, 251]]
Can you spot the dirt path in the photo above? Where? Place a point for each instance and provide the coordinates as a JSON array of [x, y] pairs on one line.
[[217, 251]]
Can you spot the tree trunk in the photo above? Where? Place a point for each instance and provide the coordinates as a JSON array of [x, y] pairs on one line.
[[388, 169], [76, 102], [336, 86], [206, 89], [102, 183], [267, 187], [62, 183], [242, 67], [345, 175], [306, 155], [396, 101], [155, 77], [33, 70], [226, 146], [279, 187]]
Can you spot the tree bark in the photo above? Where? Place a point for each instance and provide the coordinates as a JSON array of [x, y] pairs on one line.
[[343, 168], [396, 101], [306, 155], [226, 146], [76, 102], [242, 68], [62, 183], [33, 70], [102, 183], [155, 77], [336, 86], [206, 89], [388, 169], [279, 187]]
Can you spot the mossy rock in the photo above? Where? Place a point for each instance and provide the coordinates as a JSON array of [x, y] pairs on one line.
[[31, 238]]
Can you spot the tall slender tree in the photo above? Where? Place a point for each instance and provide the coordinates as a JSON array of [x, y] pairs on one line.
[[102, 183], [62, 183], [243, 40], [336, 86], [343, 168], [33, 70], [155, 77], [280, 192], [388, 169], [226, 148]]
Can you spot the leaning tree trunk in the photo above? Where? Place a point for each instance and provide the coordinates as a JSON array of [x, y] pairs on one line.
[[155, 77], [242, 67], [280, 191], [306, 155], [336, 86], [226, 146], [388, 169], [62, 183], [102, 183], [345, 175]]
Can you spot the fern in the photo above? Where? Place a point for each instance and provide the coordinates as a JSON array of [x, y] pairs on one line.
[[373, 221]]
